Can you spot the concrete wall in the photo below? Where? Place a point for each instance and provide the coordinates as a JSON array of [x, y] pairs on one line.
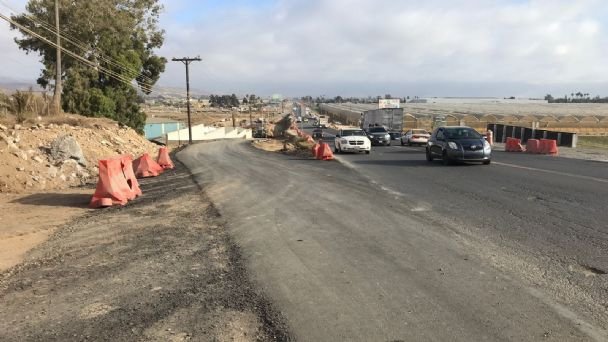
[[202, 132]]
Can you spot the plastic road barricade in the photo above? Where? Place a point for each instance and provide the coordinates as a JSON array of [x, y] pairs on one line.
[[112, 187], [127, 169], [533, 146], [145, 166], [163, 159]]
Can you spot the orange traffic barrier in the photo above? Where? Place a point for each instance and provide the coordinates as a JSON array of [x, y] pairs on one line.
[[145, 166], [490, 137], [315, 149], [127, 169], [325, 152], [548, 146], [163, 159], [533, 146], [513, 145], [112, 187]]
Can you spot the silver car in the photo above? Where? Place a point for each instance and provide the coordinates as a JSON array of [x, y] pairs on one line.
[[415, 136]]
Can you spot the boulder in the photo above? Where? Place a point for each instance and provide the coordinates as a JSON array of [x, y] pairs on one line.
[[66, 147]]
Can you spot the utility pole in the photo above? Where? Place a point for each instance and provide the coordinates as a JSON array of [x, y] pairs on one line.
[[187, 62], [58, 85]]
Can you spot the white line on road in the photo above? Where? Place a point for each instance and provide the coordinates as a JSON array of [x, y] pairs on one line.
[[602, 180]]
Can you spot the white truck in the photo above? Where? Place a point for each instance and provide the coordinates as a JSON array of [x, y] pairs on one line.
[[323, 121]]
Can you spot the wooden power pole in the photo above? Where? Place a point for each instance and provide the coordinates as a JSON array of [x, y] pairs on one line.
[[187, 62], [58, 85]]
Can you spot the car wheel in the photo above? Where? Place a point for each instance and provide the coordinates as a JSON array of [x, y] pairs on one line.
[[409, 142], [402, 143], [335, 148], [445, 159], [487, 162], [367, 152], [388, 143], [429, 156]]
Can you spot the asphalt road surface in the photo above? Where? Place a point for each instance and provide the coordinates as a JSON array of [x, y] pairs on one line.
[[387, 247]]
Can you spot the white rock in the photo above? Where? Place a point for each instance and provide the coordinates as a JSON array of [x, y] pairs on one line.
[[37, 159], [53, 172], [3, 128], [20, 154], [20, 169], [17, 126], [62, 177]]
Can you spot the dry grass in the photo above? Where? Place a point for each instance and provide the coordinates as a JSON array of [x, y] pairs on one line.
[[593, 142]]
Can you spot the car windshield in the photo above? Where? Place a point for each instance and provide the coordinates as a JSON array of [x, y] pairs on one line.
[[461, 133], [354, 132], [419, 131], [377, 130]]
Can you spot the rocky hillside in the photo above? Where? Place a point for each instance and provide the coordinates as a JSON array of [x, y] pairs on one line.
[[61, 152]]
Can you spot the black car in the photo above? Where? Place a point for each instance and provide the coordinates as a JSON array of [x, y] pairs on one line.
[[379, 136], [317, 133], [458, 143], [395, 135]]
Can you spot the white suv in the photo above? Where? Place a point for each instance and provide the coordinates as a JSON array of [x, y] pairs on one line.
[[352, 140]]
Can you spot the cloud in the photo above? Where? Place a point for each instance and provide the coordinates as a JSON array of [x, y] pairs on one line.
[[398, 46]]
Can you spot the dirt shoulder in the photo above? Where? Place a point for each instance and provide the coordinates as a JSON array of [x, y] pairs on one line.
[[162, 268], [34, 217]]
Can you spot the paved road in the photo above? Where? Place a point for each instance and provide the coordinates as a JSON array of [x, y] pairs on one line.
[[390, 249]]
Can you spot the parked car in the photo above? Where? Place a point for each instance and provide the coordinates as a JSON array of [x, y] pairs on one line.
[[317, 133], [458, 143], [352, 140], [379, 136], [415, 136]]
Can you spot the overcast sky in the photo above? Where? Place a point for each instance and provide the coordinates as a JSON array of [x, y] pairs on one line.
[[374, 47]]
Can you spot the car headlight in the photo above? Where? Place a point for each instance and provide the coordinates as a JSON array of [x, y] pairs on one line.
[[388, 136], [486, 146], [344, 141], [453, 145]]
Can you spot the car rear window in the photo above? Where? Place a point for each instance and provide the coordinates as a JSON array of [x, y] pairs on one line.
[[377, 130]]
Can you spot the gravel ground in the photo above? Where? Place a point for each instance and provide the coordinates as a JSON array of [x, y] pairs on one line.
[[162, 268]]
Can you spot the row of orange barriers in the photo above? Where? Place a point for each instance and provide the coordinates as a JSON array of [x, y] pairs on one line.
[[320, 150], [118, 183], [536, 146]]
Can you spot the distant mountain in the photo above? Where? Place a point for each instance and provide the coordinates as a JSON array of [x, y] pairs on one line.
[[8, 85]]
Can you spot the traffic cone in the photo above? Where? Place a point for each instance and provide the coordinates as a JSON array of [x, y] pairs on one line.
[[145, 166], [112, 187], [163, 159]]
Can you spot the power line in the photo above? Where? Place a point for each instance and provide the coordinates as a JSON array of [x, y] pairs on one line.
[[79, 44], [98, 67]]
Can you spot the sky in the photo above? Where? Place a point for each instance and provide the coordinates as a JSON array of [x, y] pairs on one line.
[[374, 47]]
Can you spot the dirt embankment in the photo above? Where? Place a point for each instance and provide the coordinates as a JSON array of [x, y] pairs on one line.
[[38, 190], [26, 162]]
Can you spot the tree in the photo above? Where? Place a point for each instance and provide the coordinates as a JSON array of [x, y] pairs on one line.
[[549, 98], [245, 101], [234, 101], [119, 35]]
